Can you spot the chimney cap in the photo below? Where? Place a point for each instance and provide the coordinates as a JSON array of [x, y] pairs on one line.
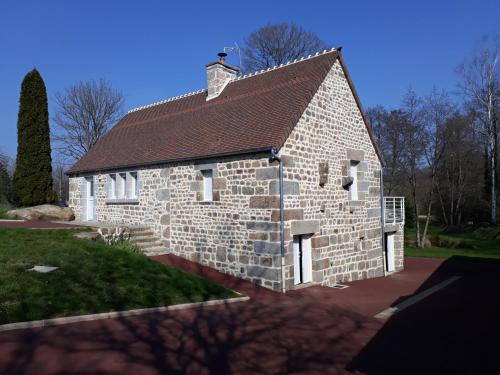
[[222, 56], [222, 61]]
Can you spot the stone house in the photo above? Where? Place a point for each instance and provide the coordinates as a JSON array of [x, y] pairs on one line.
[[273, 177]]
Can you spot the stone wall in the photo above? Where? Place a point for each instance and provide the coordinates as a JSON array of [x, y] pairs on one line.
[[331, 133], [238, 232], [152, 201]]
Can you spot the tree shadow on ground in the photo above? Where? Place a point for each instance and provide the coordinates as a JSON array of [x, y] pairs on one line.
[[453, 331], [270, 334]]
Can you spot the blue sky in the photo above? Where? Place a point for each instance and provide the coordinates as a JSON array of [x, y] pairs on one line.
[[152, 50]]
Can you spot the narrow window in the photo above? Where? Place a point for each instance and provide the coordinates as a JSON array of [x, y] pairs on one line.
[[207, 185], [353, 189], [132, 185]]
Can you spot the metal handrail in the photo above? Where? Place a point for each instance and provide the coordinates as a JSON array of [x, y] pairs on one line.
[[394, 210]]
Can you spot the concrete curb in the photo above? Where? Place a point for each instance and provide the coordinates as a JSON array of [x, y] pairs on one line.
[[116, 314], [387, 313]]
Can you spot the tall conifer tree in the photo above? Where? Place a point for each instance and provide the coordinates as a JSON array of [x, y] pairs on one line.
[[32, 183]]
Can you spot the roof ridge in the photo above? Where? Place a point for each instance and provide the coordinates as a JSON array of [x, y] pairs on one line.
[[253, 74], [288, 63], [171, 99]]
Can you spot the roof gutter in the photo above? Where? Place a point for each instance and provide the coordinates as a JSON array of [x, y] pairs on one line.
[[170, 161]]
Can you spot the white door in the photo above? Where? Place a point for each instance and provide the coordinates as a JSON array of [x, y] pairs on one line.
[[302, 259], [389, 243], [90, 198]]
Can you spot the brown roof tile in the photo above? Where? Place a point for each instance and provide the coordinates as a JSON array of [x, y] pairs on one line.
[[251, 114]]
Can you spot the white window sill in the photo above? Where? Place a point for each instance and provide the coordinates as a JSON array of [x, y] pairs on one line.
[[122, 201]]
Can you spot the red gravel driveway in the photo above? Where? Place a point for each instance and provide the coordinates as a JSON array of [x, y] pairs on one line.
[[315, 331]]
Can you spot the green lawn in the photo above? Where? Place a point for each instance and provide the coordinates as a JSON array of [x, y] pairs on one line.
[[472, 242], [92, 278]]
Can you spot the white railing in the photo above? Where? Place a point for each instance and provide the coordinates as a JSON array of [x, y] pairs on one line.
[[394, 210]]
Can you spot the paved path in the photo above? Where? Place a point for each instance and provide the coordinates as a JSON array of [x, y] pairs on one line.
[[314, 331]]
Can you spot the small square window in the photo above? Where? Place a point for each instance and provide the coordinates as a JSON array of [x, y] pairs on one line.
[[207, 185]]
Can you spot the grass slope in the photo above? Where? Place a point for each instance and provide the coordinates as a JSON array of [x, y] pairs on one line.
[[473, 242], [92, 278]]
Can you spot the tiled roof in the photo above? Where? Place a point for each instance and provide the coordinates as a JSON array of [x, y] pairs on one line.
[[253, 113]]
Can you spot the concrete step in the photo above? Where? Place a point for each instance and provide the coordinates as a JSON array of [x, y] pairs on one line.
[[142, 239], [142, 233], [155, 250], [148, 245]]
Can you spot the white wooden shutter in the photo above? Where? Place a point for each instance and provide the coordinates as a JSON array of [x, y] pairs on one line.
[[296, 260], [138, 184], [108, 187], [128, 185]]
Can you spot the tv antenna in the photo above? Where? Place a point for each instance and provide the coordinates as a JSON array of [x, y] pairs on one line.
[[234, 48]]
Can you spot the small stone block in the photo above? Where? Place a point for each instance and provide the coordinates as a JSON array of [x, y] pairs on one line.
[[219, 183], [43, 269], [266, 173], [290, 214], [289, 188], [355, 155], [162, 194], [264, 201], [264, 247], [320, 241], [304, 227]]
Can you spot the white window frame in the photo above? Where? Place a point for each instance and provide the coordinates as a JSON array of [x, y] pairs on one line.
[[123, 187], [353, 189], [208, 179]]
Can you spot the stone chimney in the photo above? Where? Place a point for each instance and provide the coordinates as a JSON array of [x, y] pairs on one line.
[[218, 75]]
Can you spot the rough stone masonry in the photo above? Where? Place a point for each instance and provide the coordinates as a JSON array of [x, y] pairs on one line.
[[238, 232]]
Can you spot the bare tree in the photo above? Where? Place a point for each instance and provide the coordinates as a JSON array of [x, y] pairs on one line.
[[276, 44], [5, 179], [84, 113], [481, 84], [61, 181], [388, 127], [412, 157], [437, 109], [458, 175]]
